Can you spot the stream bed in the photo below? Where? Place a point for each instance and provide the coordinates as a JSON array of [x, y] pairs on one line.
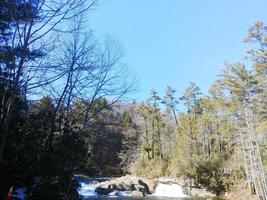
[[163, 192], [148, 198]]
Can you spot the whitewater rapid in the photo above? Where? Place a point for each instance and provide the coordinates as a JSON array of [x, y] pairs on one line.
[[87, 190], [169, 190], [88, 186]]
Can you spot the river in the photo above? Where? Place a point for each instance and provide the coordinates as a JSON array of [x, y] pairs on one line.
[[163, 192], [147, 198]]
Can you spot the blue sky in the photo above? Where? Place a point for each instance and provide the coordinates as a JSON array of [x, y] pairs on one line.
[[173, 42]]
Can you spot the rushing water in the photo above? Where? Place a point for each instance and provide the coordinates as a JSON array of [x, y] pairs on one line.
[[145, 198], [169, 190], [162, 192]]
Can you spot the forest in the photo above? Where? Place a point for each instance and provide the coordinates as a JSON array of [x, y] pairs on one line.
[[64, 110]]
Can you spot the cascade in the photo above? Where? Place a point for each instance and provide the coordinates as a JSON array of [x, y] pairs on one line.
[[169, 190]]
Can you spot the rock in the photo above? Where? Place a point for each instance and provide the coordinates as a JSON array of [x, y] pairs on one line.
[[137, 194], [113, 187], [103, 191], [169, 180], [132, 187], [145, 188]]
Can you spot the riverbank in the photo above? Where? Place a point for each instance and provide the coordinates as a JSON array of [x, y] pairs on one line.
[[240, 194]]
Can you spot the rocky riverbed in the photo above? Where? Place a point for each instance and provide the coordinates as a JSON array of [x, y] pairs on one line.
[[139, 186], [135, 185]]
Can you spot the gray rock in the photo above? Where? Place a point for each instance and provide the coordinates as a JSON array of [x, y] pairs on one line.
[[144, 188], [137, 194], [132, 187]]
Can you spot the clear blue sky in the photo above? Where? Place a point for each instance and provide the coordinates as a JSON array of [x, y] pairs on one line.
[[173, 42]]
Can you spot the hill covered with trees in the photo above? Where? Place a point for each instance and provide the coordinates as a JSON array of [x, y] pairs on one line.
[[215, 140]]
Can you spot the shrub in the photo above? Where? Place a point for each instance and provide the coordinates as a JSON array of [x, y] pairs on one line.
[[148, 167]]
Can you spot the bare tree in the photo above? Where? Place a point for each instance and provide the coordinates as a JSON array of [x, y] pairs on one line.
[[87, 71], [32, 22]]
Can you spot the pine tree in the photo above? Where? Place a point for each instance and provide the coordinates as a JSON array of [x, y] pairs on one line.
[[171, 102], [238, 84]]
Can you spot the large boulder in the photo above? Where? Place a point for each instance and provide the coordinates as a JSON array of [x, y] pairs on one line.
[[137, 194], [143, 187], [128, 183]]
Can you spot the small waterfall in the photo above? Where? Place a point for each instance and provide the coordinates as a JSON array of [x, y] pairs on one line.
[[169, 190], [88, 185], [88, 189]]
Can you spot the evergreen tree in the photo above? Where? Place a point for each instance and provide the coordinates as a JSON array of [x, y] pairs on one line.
[[171, 103]]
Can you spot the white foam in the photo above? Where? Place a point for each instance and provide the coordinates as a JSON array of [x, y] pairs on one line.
[[87, 190], [169, 190], [116, 193]]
